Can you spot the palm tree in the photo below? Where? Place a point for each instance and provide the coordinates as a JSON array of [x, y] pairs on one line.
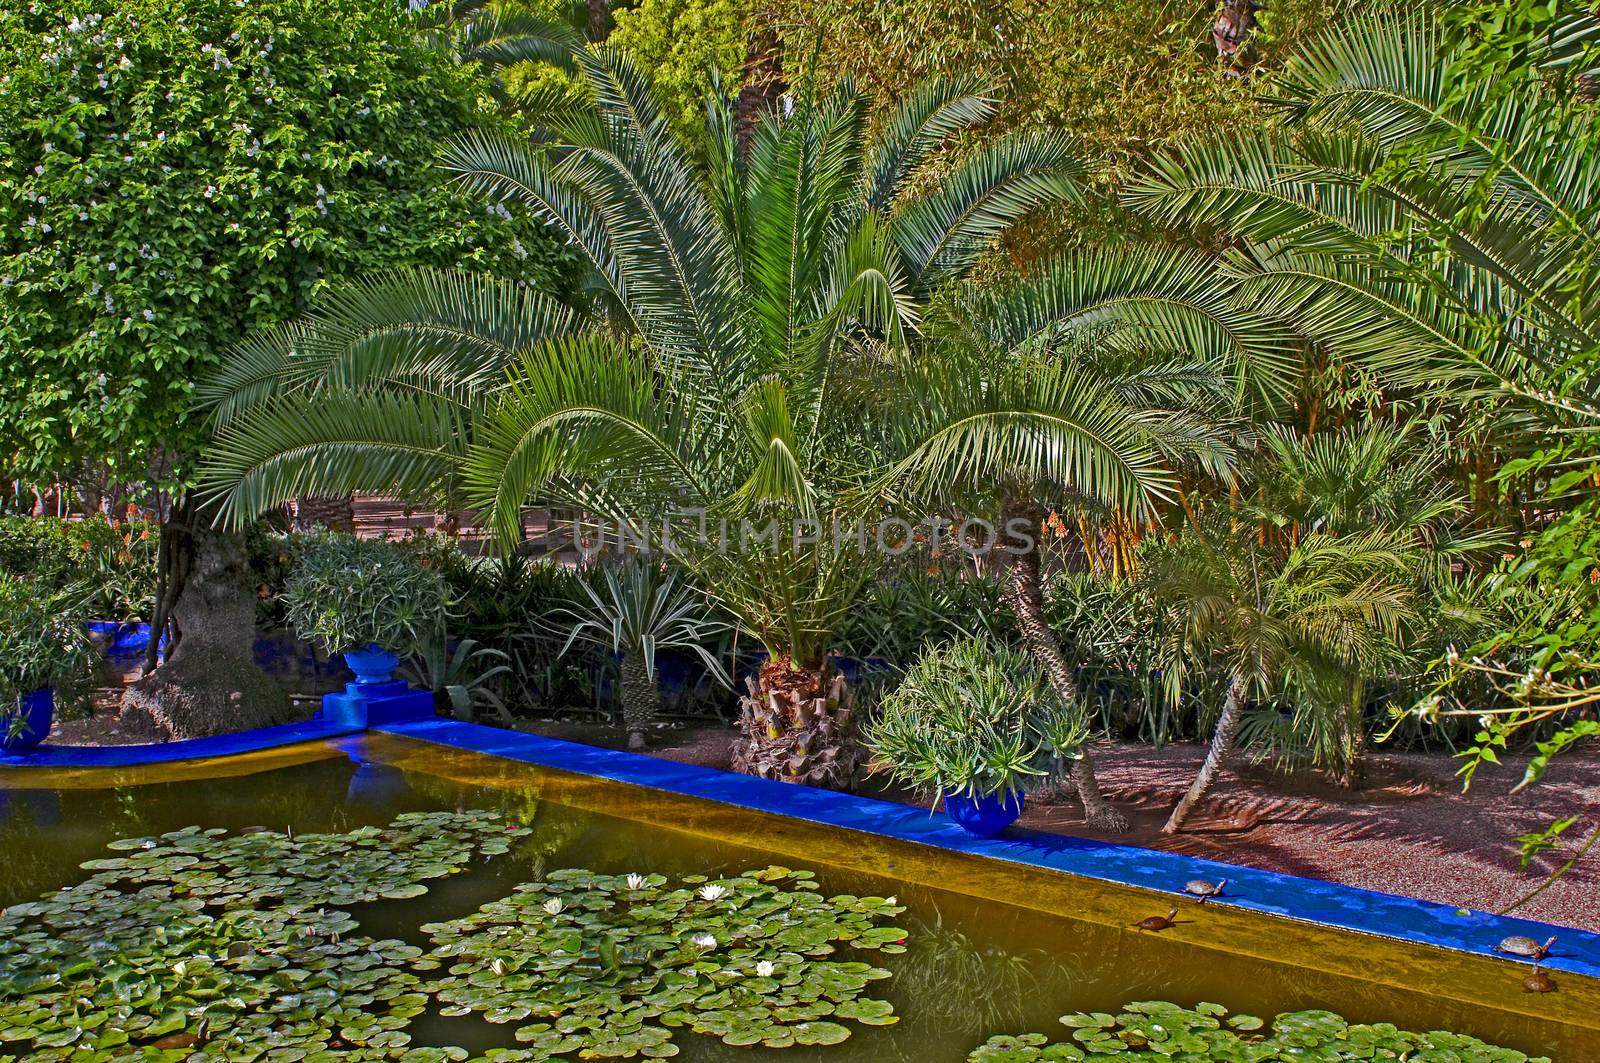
[[1262, 616], [1361, 478], [1438, 228], [1146, 325], [732, 291]]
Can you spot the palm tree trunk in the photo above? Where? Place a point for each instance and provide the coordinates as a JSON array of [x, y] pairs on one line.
[[1221, 745], [763, 85], [1024, 592], [1353, 737], [640, 698], [598, 23], [797, 724], [1233, 31]]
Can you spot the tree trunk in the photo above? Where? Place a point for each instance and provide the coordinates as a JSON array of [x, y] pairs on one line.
[[598, 27], [1024, 592], [1353, 736], [1221, 745], [209, 684], [1234, 30], [335, 514], [798, 725], [762, 87], [640, 698]]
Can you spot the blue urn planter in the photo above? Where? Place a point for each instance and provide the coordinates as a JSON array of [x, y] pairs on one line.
[[37, 711], [984, 816], [372, 665]]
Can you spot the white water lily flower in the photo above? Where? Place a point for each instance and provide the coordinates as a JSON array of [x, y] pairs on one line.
[[500, 967], [636, 882], [713, 892], [180, 968], [554, 906], [890, 900], [705, 941], [765, 968]]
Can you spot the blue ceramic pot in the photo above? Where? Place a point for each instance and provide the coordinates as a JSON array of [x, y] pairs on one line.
[[372, 665], [37, 712], [984, 816]]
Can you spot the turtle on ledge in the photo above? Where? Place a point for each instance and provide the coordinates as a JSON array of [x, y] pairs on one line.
[[1158, 923], [1527, 948], [1199, 887]]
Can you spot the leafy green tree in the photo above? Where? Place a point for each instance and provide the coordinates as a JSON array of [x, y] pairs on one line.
[[173, 177], [741, 295]]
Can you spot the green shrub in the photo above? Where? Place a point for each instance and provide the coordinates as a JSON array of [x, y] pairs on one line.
[[973, 717], [42, 643], [347, 593], [915, 608], [177, 173], [108, 566]]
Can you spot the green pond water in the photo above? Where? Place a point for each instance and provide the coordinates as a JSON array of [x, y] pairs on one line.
[[972, 966]]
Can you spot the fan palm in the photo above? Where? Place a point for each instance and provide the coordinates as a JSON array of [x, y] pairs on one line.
[[1262, 616], [1445, 234], [1357, 479], [733, 291]]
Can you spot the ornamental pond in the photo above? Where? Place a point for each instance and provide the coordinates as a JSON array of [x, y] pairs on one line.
[[375, 898]]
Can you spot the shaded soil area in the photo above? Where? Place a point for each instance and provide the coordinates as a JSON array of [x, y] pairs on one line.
[[1411, 830]]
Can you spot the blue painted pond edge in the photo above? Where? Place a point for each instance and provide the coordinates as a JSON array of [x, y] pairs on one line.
[[1292, 896], [49, 756], [1305, 899]]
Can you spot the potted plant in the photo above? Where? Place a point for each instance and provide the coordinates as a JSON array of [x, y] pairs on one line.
[[42, 648], [373, 600], [974, 722]]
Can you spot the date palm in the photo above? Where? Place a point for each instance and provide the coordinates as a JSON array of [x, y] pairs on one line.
[[1262, 615], [731, 294], [1439, 229], [1149, 326]]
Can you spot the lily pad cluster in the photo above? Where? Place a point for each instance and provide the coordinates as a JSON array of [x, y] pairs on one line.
[[197, 945], [1206, 1033], [609, 966]]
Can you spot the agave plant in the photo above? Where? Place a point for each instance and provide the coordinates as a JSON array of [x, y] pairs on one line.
[[462, 673], [742, 290], [637, 610]]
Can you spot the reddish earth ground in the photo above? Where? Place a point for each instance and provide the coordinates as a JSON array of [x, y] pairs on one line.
[[1410, 830]]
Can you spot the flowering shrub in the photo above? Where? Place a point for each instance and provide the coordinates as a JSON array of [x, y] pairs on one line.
[[108, 567], [175, 174]]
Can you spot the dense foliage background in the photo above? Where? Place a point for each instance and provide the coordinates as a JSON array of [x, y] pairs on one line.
[[175, 175]]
